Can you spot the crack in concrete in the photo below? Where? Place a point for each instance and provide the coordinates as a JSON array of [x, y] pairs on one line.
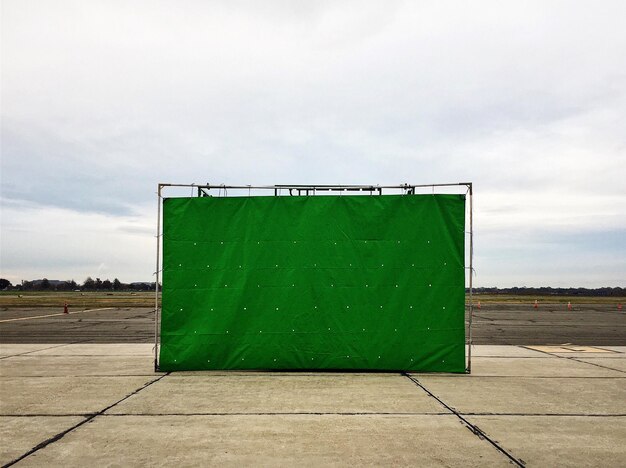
[[472, 427]]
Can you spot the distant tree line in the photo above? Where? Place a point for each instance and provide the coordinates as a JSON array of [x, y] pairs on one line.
[[89, 284], [97, 284], [548, 291]]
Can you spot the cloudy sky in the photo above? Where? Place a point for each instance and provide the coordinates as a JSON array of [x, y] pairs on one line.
[[103, 99]]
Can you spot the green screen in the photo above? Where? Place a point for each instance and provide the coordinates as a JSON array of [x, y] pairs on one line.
[[320, 282]]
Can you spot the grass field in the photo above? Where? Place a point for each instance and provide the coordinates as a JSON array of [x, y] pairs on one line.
[[76, 299], [519, 299], [146, 299]]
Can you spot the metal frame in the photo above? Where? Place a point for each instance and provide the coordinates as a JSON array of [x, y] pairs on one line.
[[309, 190]]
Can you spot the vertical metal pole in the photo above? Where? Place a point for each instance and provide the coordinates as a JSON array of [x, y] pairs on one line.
[[471, 272], [156, 285]]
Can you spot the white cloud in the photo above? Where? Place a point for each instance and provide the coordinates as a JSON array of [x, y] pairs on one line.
[[63, 244]]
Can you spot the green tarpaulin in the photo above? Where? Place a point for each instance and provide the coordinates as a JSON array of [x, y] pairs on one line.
[[320, 282]]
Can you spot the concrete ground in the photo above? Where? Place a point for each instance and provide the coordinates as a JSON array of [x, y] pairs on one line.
[[101, 404]]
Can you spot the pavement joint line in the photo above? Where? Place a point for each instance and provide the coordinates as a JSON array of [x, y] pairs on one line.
[[44, 415], [295, 413], [474, 376], [86, 376], [507, 357], [42, 349], [53, 315], [472, 427], [592, 364], [144, 356], [566, 415], [571, 358], [149, 373], [305, 413], [286, 374], [268, 413], [37, 350], [87, 419]]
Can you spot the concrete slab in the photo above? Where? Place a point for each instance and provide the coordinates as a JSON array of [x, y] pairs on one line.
[[284, 440], [20, 434], [277, 393], [31, 365], [559, 441], [530, 395], [524, 367], [64, 395], [110, 349], [505, 351], [542, 408]]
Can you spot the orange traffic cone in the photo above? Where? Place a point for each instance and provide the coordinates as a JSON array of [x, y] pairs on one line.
[[569, 306], [536, 305], [65, 311]]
